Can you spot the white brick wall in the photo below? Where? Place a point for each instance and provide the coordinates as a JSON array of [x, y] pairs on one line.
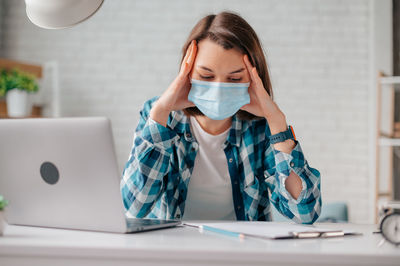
[[1, 26], [129, 51]]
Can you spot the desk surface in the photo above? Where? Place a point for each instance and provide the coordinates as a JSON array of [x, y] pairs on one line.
[[186, 245]]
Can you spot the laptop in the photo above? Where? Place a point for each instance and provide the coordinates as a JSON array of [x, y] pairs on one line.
[[63, 173]]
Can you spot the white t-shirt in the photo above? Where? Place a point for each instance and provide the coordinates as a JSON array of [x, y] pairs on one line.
[[210, 191]]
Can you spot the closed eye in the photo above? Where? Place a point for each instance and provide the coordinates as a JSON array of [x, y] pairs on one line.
[[211, 77]]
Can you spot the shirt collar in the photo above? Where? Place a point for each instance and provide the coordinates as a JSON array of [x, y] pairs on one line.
[[179, 122]]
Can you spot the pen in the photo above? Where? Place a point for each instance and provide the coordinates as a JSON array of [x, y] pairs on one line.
[[220, 231]]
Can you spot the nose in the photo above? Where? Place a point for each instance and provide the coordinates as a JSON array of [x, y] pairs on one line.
[[219, 79]]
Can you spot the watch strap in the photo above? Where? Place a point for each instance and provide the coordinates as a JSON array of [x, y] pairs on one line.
[[282, 136]]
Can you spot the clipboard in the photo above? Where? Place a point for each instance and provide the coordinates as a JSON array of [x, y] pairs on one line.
[[269, 230]]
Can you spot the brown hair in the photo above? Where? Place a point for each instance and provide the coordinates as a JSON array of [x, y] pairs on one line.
[[231, 31]]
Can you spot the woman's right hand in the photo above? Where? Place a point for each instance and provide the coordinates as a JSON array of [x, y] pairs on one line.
[[176, 96]]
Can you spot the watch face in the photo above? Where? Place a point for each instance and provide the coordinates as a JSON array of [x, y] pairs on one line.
[[390, 228]]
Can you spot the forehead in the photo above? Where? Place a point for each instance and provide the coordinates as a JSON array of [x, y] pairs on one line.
[[214, 56]]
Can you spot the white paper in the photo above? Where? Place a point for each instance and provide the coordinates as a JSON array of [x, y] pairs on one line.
[[264, 229]]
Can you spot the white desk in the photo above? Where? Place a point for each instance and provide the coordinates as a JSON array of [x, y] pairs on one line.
[[22, 245]]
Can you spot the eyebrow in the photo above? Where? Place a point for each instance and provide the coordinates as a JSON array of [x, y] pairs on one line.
[[233, 72]]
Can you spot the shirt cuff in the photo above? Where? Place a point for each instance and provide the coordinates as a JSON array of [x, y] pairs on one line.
[[285, 164], [162, 137]]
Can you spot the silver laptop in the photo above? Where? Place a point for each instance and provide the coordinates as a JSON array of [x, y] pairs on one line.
[[62, 172]]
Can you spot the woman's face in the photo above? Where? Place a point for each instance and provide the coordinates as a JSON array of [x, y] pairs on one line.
[[214, 63]]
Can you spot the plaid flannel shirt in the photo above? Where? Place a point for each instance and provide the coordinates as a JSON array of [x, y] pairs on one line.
[[156, 176]]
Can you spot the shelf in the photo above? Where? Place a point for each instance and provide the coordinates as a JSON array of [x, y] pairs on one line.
[[35, 113], [35, 70], [385, 141], [390, 80], [387, 137]]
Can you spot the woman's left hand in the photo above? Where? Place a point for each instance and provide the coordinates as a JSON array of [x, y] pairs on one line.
[[261, 103]]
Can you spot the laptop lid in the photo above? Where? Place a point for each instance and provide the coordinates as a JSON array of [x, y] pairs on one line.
[[61, 172]]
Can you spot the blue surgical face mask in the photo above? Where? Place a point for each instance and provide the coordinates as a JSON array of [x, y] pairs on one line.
[[218, 100]]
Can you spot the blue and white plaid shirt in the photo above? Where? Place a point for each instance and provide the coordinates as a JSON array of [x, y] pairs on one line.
[[156, 177]]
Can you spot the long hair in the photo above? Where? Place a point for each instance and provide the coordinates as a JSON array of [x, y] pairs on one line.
[[231, 31]]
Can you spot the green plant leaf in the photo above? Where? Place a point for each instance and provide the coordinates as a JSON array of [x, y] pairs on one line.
[[3, 202], [15, 78]]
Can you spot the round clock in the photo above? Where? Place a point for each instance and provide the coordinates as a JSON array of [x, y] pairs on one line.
[[390, 227]]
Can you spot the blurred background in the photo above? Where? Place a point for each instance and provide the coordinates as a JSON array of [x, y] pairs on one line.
[[324, 58]]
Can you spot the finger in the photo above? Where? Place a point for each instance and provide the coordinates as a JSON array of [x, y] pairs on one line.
[[247, 64], [184, 61], [187, 63], [252, 71], [192, 55], [256, 77], [193, 59], [188, 52], [190, 60]]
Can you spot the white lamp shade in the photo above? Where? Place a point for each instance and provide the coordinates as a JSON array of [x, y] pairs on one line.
[[58, 14]]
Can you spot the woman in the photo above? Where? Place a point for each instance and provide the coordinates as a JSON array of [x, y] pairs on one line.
[[214, 143]]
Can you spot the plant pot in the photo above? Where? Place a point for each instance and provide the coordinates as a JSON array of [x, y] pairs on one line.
[[18, 103], [2, 222]]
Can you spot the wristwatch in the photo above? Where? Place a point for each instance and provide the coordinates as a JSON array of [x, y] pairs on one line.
[[282, 136]]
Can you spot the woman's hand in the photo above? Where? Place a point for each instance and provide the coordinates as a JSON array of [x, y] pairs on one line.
[[261, 103], [176, 96]]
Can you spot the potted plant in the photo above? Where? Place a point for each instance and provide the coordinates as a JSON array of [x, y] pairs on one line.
[[16, 85], [3, 204]]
